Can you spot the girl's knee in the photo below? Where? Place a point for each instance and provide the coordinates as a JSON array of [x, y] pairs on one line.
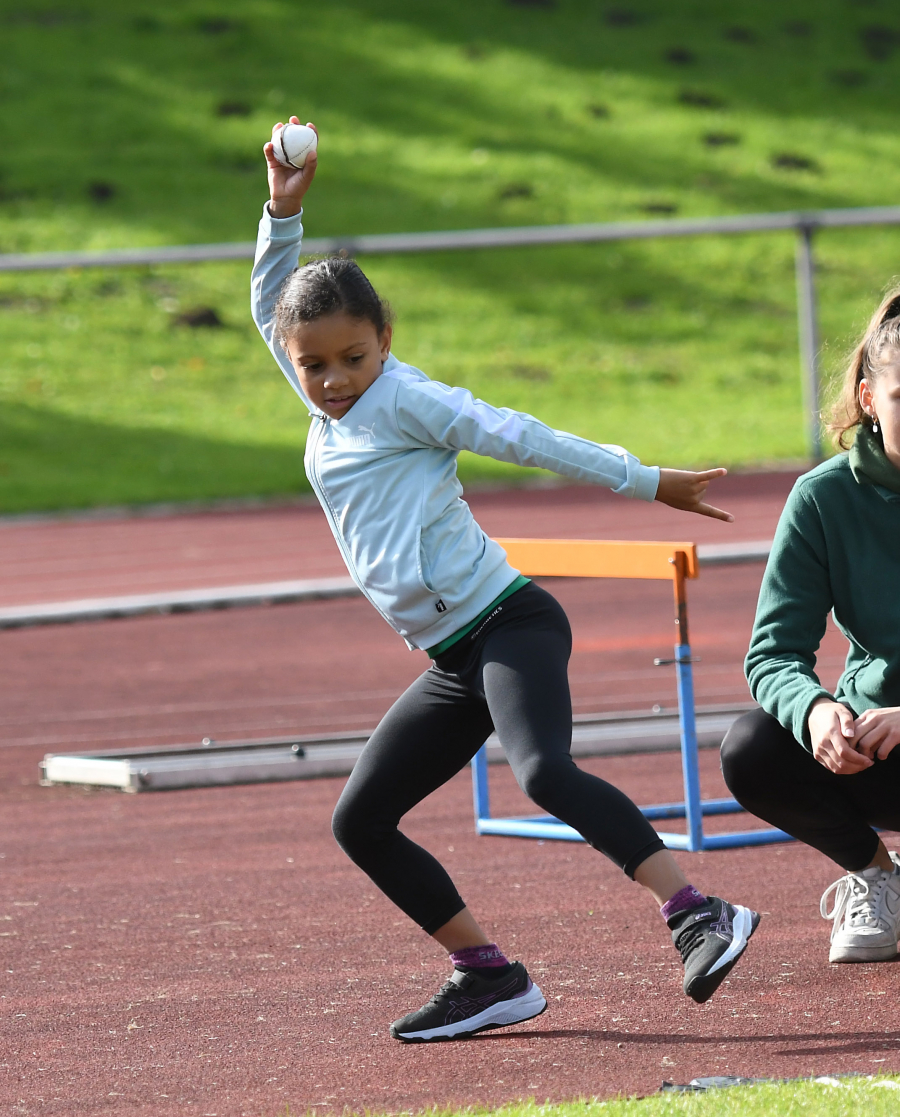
[[349, 827], [542, 779], [360, 825], [746, 751], [341, 825]]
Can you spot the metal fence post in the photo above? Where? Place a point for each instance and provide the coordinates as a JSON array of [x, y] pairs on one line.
[[807, 322]]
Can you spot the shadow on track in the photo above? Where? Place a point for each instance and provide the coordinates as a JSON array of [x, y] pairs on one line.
[[835, 1042]]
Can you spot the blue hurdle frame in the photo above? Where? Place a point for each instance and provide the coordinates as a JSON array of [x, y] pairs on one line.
[[692, 809]]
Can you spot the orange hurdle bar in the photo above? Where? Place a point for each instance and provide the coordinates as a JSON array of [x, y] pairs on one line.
[[594, 558]]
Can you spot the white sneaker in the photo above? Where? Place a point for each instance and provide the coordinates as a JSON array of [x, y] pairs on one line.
[[866, 915]]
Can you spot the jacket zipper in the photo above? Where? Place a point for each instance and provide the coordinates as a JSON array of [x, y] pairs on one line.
[[319, 487], [851, 678]]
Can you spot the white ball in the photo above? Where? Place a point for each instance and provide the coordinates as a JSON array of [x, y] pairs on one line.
[[293, 143]]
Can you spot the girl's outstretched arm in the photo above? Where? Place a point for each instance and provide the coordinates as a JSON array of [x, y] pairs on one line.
[[684, 489], [287, 185]]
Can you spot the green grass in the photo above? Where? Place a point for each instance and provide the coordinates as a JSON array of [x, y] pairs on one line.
[[439, 115], [791, 1099]]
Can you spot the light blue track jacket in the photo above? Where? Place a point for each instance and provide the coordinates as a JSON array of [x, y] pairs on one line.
[[385, 474]]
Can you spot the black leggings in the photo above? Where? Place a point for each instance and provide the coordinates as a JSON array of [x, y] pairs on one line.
[[509, 674], [775, 778]]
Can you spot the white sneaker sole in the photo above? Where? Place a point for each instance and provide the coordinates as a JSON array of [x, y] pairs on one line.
[[497, 1016], [849, 953], [741, 929]]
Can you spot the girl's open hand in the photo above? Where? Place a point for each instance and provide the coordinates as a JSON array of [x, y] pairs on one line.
[[878, 732], [684, 489], [833, 736], [287, 185]]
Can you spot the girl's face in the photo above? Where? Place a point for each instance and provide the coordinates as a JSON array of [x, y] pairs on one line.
[[880, 398], [336, 359]]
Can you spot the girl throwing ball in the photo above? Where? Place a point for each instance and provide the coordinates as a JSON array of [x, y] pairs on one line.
[[381, 458]]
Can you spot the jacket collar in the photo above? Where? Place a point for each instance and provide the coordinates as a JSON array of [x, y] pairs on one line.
[[870, 464]]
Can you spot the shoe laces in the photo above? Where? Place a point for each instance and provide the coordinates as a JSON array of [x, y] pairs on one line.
[[445, 992], [691, 938], [857, 900]]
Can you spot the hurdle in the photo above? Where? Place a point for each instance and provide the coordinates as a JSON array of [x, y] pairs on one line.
[[670, 562]]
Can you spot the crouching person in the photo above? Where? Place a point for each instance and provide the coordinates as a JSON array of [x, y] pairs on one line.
[[824, 766]]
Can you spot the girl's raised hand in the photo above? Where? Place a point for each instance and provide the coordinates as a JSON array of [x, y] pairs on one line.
[[287, 185], [684, 489]]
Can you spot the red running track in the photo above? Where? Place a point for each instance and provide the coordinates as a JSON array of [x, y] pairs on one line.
[[212, 952], [59, 559]]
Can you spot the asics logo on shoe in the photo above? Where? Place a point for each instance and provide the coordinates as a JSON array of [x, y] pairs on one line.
[[723, 927], [466, 1007]]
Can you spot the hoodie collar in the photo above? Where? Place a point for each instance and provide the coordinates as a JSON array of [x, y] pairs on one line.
[[870, 464]]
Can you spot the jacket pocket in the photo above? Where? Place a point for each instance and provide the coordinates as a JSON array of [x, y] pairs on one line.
[[423, 569]]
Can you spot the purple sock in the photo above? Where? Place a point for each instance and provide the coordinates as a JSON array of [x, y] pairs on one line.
[[478, 958], [685, 900]]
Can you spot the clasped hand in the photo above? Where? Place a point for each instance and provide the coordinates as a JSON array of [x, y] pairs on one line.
[[846, 745]]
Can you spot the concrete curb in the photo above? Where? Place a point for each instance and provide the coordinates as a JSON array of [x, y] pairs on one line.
[[178, 601], [264, 593]]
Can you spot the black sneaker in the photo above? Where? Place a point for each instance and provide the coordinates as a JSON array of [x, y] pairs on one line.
[[467, 1004], [710, 939]]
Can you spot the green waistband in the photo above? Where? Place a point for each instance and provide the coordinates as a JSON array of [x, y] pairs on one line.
[[440, 648]]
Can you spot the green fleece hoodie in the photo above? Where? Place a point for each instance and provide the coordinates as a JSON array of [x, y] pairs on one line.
[[837, 548]]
